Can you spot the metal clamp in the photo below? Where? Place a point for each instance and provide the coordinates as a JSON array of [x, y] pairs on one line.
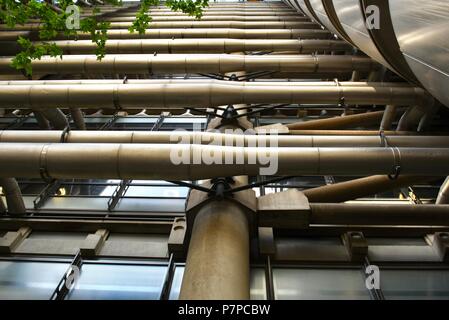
[[64, 134], [396, 169]]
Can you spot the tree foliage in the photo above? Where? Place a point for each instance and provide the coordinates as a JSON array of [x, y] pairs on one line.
[[52, 20]]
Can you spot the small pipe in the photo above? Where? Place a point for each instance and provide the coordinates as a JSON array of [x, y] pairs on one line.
[[410, 119], [340, 122], [358, 188], [78, 118], [13, 195], [55, 117], [388, 117], [41, 120]]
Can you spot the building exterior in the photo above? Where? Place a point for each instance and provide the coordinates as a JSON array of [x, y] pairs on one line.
[[270, 150]]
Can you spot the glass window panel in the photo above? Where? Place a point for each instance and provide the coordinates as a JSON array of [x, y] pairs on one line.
[[415, 284], [29, 280], [257, 284], [118, 282], [319, 284]]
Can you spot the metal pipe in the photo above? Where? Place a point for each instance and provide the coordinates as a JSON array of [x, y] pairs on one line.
[[220, 12], [388, 117], [78, 118], [443, 194], [209, 94], [217, 265], [13, 195], [340, 122], [410, 119], [192, 24], [194, 162], [231, 33], [192, 63], [225, 139], [238, 18], [55, 117], [358, 188], [41, 120], [189, 46], [357, 132], [379, 214]]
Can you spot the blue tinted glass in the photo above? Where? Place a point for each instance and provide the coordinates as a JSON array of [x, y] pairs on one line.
[[111, 282], [29, 280]]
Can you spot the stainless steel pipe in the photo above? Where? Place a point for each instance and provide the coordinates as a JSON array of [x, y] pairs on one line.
[[193, 24], [13, 195], [191, 46], [231, 33], [225, 139], [202, 94], [443, 194], [193, 63], [194, 162]]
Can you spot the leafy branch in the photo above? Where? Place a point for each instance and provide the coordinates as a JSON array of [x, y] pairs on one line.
[[52, 22]]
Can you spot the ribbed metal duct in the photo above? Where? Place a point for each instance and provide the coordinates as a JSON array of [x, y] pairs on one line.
[[206, 33], [187, 137], [162, 161], [204, 94], [411, 39], [151, 46], [194, 63]]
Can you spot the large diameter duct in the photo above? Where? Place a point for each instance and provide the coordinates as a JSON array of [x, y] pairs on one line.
[[421, 29], [13, 195], [194, 162], [194, 63], [358, 188], [231, 33], [201, 94], [190, 46], [246, 140], [193, 24]]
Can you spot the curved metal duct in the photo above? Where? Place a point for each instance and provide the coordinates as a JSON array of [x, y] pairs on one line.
[[204, 94], [443, 194], [56, 118], [194, 63], [246, 140], [151, 46], [421, 28], [13, 195]]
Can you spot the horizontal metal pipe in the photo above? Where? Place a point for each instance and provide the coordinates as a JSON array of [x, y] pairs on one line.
[[193, 63], [193, 24], [190, 46], [220, 12], [239, 18], [193, 162], [358, 188], [201, 94], [379, 214], [358, 132], [339, 122], [231, 33], [228, 139]]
